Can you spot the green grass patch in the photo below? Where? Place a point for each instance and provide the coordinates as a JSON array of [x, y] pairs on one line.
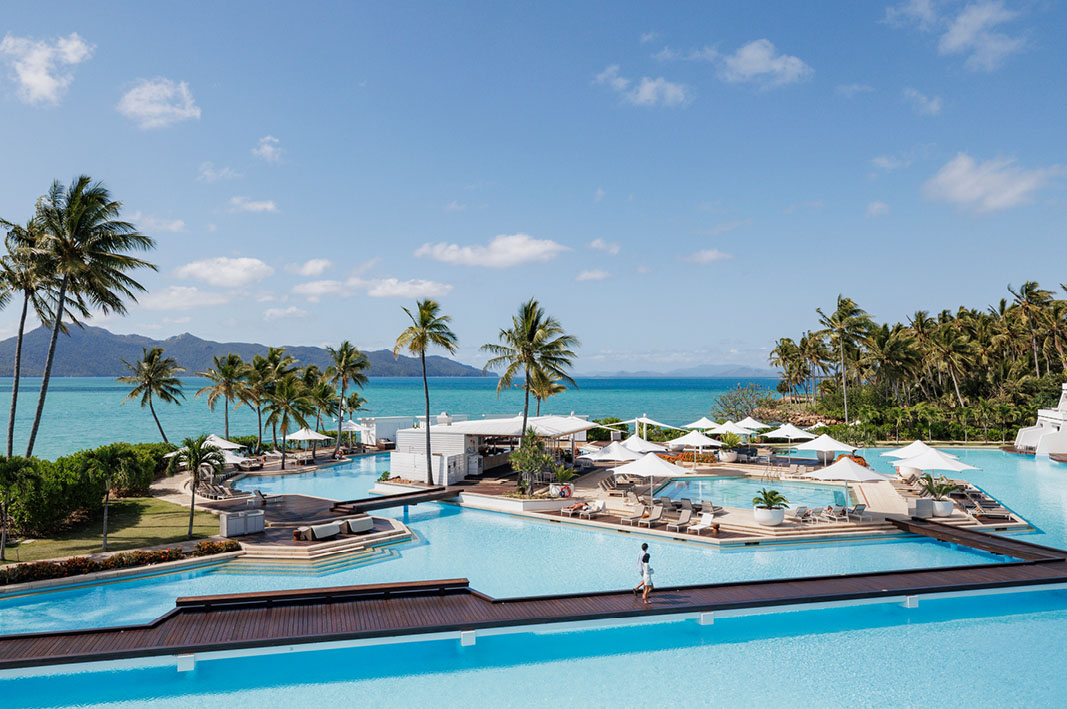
[[133, 523]]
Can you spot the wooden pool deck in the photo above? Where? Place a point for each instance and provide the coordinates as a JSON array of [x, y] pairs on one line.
[[257, 620]]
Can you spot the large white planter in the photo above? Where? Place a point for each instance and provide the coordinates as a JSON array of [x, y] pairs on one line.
[[768, 518], [943, 508], [727, 456]]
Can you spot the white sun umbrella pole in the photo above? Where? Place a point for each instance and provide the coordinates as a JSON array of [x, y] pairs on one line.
[[650, 466]]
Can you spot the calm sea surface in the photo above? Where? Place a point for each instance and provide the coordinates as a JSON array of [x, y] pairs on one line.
[[86, 412]]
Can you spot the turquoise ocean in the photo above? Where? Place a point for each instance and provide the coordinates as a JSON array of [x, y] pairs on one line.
[[87, 411]]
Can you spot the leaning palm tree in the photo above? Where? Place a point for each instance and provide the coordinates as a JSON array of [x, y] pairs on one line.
[[199, 457], [154, 376], [15, 474], [254, 390], [349, 365], [278, 365], [324, 398], [89, 248], [428, 328], [845, 326], [534, 341], [289, 404], [1031, 300], [103, 463], [226, 378], [544, 386]]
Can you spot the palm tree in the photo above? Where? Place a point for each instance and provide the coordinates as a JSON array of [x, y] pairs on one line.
[[324, 398], [1030, 300], [955, 352], [15, 473], [197, 454], [289, 404], [226, 377], [544, 386], [535, 340], [103, 463], [88, 247], [278, 365], [154, 376], [349, 365], [845, 326], [428, 328], [254, 390]]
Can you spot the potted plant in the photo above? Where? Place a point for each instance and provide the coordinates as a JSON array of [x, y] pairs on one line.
[[769, 507], [729, 441], [562, 487], [939, 491]]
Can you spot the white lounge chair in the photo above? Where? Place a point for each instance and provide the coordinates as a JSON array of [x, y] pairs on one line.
[[859, 512], [706, 522]]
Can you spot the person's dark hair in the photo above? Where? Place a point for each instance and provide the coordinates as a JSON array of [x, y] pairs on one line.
[[644, 547], [646, 558]]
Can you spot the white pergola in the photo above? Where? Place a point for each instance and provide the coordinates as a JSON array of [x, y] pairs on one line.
[[640, 445], [701, 423], [790, 433], [614, 451]]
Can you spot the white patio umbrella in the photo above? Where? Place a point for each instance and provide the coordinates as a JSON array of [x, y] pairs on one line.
[[847, 470], [749, 422], [912, 450], [613, 451], [817, 424], [640, 445], [790, 433], [651, 466], [731, 427], [701, 423], [222, 443], [646, 421], [351, 426], [695, 440], [825, 446], [306, 434], [934, 460]]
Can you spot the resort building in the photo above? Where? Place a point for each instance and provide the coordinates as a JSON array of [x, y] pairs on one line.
[[378, 429], [1049, 435], [468, 448]]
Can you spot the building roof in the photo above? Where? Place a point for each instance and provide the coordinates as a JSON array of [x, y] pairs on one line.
[[543, 426]]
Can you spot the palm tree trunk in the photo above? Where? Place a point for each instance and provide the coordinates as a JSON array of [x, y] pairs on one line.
[[426, 395], [956, 384], [1033, 343], [158, 424], [284, 436], [844, 380], [340, 415], [15, 380], [226, 418], [3, 530], [274, 435], [107, 499], [60, 304], [259, 427], [194, 474]]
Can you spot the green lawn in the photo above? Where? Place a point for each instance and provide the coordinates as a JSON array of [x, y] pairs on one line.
[[133, 523]]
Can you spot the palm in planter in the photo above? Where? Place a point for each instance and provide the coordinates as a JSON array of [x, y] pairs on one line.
[[939, 491], [769, 507]]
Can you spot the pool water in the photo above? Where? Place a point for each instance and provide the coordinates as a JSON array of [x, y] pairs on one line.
[[350, 480], [860, 656], [739, 491]]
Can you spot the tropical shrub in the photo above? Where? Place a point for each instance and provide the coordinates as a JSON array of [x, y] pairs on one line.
[[600, 433], [769, 499], [208, 547], [937, 489], [77, 565]]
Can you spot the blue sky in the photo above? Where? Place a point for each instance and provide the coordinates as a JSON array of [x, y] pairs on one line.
[[678, 184]]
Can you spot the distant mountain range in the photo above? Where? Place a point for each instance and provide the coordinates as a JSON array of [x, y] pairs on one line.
[[95, 352], [727, 371]]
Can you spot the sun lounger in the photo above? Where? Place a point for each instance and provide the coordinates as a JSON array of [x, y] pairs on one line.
[[992, 512], [656, 517], [639, 512], [800, 515], [706, 522], [359, 525], [321, 532], [593, 510], [687, 504], [859, 512], [707, 507], [836, 514], [573, 509], [262, 499], [683, 520]]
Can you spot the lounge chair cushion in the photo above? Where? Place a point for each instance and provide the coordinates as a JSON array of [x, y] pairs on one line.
[[325, 531], [358, 525]]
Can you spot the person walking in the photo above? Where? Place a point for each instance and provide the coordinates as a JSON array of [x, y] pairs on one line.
[[640, 567], [646, 578]]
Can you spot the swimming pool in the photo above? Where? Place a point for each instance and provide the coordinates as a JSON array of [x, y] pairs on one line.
[[350, 480], [858, 656], [739, 491]]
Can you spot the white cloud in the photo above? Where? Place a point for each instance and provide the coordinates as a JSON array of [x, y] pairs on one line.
[[726, 227], [455, 206], [594, 274], [889, 162], [851, 90], [290, 313], [703, 54], [503, 251], [150, 224], [975, 31], [759, 62], [209, 173], [708, 256], [310, 268], [647, 37], [159, 102], [40, 67], [647, 92], [924, 105], [226, 272], [244, 204], [877, 209], [987, 186], [268, 148], [599, 194], [181, 298], [395, 288], [608, 247], [316, 290]]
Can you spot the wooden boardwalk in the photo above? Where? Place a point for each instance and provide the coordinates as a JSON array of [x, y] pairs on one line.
[[381, 502], [241, 621]]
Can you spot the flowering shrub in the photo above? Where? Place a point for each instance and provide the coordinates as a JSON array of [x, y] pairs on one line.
[[77, 565]]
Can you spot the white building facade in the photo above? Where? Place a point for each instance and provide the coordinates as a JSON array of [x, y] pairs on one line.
[[1049, 435]]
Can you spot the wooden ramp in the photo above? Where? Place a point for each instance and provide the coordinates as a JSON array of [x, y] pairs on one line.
[[995, 543], [381, 502]]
